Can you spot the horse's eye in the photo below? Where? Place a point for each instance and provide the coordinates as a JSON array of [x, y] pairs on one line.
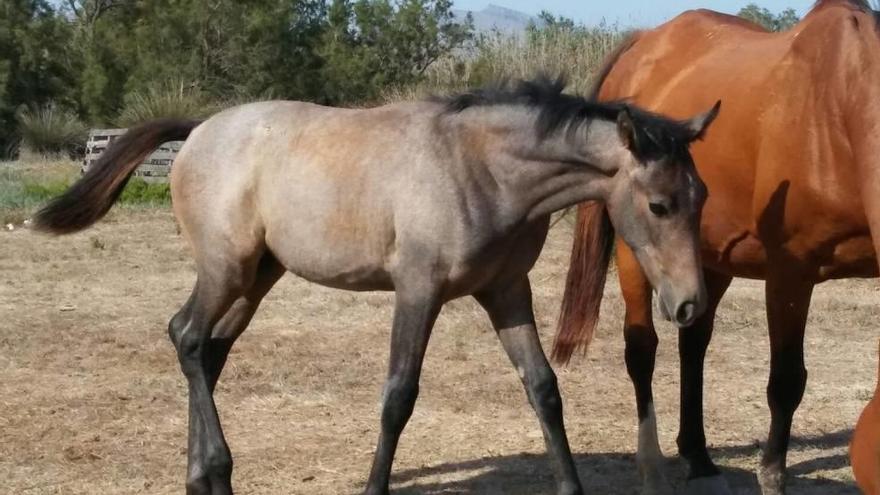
[[658, 209]]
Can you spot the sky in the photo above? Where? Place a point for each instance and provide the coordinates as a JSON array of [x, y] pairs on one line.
[[637, 13]]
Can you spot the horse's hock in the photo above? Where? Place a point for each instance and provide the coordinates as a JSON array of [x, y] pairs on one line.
[[155, 168]]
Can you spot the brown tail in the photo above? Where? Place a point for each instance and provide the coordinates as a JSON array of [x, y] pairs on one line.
[[91, 197], [590, 256]]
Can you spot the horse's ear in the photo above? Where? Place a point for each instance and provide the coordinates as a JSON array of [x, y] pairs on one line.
[[626, 129], [699, 124]]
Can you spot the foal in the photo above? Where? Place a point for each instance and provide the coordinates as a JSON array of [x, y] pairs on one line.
[[434, 200]]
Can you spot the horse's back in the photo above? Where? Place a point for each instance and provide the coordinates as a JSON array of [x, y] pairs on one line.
[[317, 186]]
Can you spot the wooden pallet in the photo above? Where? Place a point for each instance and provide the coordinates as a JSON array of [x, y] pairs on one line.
[[155, 168]]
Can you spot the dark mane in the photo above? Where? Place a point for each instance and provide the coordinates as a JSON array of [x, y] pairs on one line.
[[558, 111]]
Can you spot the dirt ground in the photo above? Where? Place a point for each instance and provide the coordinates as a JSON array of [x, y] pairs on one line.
[[92, 401]]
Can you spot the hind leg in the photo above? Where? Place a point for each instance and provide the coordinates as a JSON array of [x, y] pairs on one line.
[[203, 332], [865, 447]]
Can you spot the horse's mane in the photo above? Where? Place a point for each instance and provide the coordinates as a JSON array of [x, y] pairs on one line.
[[559, 111]]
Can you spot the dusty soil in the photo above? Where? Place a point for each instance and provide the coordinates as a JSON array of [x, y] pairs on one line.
[[92, 401]]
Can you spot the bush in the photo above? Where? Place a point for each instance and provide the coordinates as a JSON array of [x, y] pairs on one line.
[[141, 192], [50, 130], [170, 99]]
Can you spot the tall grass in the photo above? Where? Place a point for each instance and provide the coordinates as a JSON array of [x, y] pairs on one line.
[[573, 51], [50, 130]]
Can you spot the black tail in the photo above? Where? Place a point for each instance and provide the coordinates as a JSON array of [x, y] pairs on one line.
[[91, 197]]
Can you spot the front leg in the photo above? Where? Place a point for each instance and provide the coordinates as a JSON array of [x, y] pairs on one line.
[[510, 309], [788, 302], [415, 310], [704, 478]]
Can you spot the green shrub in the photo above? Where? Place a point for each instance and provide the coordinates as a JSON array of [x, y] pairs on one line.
[[169, 99], [50, 130], [141, 192]]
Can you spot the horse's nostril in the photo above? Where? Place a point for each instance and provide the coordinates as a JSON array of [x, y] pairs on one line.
[[685, 313]]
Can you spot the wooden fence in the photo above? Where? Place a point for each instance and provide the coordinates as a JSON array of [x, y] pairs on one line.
[[154, 169]]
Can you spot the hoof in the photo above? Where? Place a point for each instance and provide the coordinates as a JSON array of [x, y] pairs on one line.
[[712, 485], [772, 481]]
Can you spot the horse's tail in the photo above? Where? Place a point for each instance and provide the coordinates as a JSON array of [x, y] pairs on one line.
[[91, 197], [588, 268], [590, 254]]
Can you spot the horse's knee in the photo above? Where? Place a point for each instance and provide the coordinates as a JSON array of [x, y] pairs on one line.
[[544, 392], [398, 402], [786, 387]]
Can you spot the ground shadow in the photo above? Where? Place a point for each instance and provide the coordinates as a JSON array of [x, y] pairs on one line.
[[530, 474]]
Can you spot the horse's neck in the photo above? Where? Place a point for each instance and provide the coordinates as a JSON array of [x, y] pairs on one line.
[[535, 176]]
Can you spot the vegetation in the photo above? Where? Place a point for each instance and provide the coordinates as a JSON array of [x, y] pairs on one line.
[[555, 46], [50, 130], [114, 62], [65, 66], [173, 98], [24, 186], [783, 21]]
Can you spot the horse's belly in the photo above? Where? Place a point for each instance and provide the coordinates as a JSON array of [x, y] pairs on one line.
[[339, 272], [349, 277], [358, 264]]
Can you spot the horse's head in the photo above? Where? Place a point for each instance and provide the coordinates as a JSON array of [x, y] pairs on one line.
[[654, 203]]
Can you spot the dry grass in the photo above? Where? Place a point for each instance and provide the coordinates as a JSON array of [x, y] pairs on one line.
[[91, 399], [576, 53]]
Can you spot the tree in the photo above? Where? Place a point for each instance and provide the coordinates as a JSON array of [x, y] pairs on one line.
[[372, 44], [37, 67], [772, 22], [548, 20], [95, 58]]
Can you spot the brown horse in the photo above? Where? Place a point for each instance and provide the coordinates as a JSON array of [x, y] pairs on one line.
[[434, 200], [794, 197]]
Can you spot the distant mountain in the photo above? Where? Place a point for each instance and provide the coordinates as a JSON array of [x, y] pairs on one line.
[[498, 18]]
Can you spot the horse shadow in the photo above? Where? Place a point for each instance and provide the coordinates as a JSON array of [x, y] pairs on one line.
[[531, 474]]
